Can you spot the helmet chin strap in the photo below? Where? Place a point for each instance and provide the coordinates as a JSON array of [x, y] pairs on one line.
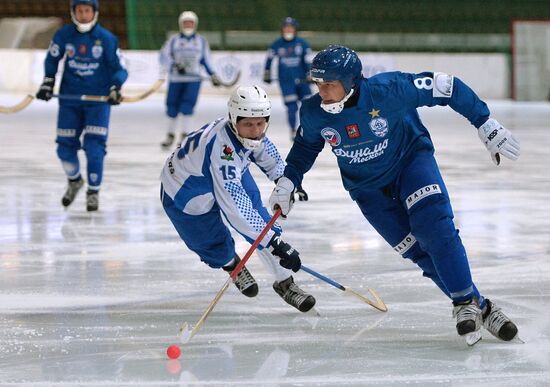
[[336, 107]]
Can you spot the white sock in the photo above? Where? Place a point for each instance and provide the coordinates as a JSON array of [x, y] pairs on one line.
[[186, 126], [272, 265], [172, 124]]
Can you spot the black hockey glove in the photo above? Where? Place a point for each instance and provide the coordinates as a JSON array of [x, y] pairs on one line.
[[267, 76], [302, 195], [115, 97], [215, 80], [46, 89], [289, 258], [181, 68]]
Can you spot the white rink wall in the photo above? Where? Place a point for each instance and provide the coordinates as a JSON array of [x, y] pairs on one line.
[[488, 74]]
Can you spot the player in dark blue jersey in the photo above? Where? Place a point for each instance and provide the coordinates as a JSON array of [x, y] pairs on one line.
[[92, 66], [386, 161], [294, 56]]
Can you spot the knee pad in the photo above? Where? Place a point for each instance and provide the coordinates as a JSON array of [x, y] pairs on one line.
[[67, 148], [95, 146], [431, 221]]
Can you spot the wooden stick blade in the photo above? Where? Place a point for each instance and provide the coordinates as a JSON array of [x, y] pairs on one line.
[[17, 107], [142, 96], [377, 303], [185, 333]]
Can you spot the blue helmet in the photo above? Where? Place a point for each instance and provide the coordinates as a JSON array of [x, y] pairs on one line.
[[337, 63], [289, 21], [93, 3]]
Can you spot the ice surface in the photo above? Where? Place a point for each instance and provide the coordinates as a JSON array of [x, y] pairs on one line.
[[95, 299]]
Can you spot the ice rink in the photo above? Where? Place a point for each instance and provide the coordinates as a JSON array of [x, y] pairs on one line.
[[95, 298]]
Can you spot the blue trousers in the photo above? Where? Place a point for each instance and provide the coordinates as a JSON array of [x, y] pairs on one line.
[[414, 215], [292, 93], [206, 234], [92, 120], [182, 98]]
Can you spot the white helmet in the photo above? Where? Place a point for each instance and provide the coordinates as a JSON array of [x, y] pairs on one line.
[[248, 101], [186, 16]]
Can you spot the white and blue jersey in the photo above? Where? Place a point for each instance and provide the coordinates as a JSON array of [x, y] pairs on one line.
[[294, 59], [189, 52], [373, 139], [92, 62], [210, 171]]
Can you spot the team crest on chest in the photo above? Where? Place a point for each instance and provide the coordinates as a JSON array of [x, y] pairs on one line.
[[227, 153], [97, 50], [379, 126], [70, 50], [331, 136], [353, 131]]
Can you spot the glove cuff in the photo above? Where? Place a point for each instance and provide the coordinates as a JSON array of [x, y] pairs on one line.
[[488, 127]]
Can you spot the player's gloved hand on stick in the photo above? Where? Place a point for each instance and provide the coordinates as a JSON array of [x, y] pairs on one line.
[[215, 80], [46, 89], [181, 68], [267, 76], [302, 194], [115, 97], [498, 140], [282, 196], [289, 257]]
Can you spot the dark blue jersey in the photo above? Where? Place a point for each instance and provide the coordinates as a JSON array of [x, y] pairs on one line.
[[294, 58], [92, 61], [374, 137]]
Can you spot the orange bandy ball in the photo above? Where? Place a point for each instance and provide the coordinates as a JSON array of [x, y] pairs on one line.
[[173, 352]]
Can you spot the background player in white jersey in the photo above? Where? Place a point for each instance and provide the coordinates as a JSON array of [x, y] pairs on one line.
[[385, 157], [208, 177], [182, 57]]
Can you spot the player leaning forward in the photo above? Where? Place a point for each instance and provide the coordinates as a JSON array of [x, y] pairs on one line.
[[92, 66], [386, 161], [208, 177]]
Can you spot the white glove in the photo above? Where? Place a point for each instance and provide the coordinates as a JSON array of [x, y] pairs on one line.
[[282, 196], [498, 140]]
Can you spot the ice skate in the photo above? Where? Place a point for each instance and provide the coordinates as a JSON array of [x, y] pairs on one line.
[[497, 323], [468, 321], [167, 143], [293, 295], [72, 189], [244, 282], [92, 200]]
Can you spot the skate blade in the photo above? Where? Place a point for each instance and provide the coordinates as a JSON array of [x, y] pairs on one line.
[[313, 312], [185, 333], [472, 338], [517, 340]]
